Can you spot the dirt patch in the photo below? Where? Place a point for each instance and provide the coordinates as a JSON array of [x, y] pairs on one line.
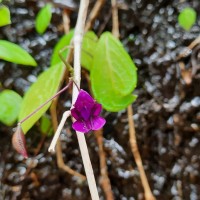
[[167, 115]]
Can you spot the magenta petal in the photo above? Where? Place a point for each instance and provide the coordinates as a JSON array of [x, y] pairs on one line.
[[86, 112], [96, 109], [75, 114], [97, 123], [83, 99], [80, 126]]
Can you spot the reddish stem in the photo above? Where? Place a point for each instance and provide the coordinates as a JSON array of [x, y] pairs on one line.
[[41, 106]]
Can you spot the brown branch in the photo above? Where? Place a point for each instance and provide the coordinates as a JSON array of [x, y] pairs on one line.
[[60, 160], [134, 147], [105, 181], [115, 22], [53, 112], [106, 20], [185, 73], [189, 48], [40, 144], [78, 37], [94, 13], [66, 20], [132, 136]]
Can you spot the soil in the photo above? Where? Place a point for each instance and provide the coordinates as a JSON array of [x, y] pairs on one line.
[[166, 112]]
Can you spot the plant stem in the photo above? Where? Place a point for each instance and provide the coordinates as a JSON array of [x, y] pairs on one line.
[[115, 22], [132, 136], [136, 154], [66, 20], [189, 48], [41, 106], [58, 131], [78, 35], [105, 181], [94, 13], [60, 161]]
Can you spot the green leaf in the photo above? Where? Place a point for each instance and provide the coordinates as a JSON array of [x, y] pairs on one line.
[[4, 16], [45, 87], [113, 74], [10, 103], [117, 103], [187, 18], [45, 125], [14, 53], [88, 48], [43, 19], [63, 42]]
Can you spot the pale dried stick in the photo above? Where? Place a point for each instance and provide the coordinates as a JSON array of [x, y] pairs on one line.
[[59, 157], [78, 36], [66, 114], [60, 160], [105, 181], [115, 21], [134, 147], [93, 14], [189, 48]]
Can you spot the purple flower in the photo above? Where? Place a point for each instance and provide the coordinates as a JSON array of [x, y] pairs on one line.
[[86, 112]]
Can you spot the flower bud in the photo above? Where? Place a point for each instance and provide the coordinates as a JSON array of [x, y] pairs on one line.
[[19, 143]]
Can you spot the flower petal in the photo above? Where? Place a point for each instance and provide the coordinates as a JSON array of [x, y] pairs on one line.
[[84, 105], [80, 126], [97, 123], [83, 99], [75, 114], [86, 112], [96, 110]]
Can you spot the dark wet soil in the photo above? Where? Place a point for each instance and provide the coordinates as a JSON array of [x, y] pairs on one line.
[[167, 115]]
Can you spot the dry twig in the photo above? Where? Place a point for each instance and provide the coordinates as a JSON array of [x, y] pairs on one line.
[[189, 48], [78, 36], [185, 73], [105, 181], [58, 130], [93, 14], [60, 160], [66, 20], [134, 147], [115, 21], [132, 136]]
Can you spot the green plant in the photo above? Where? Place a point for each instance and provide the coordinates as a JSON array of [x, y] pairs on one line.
[[187, 18], [38, 93], [4, 15], [43, 19], [112, 72], [10, 103], [113, 76], [14, 53]]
